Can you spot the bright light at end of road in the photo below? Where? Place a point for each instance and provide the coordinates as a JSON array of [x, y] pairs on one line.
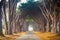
[[30, 28]]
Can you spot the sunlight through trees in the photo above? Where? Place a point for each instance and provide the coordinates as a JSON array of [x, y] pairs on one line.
[[30, 28], [17, 15]]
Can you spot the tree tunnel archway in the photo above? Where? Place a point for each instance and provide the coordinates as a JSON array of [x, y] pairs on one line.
[[44, 13], [35, 14], [40, 13]]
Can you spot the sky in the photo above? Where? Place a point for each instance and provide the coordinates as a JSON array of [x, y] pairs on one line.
[[6, 0], [23, 1], [0, 0], [19, 3]]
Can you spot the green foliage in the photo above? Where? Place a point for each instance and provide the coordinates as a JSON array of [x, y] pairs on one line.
[[40, 1], [31, 0], [30, 6], [29, 19], [17, 11], [18, 0], [30, 3]]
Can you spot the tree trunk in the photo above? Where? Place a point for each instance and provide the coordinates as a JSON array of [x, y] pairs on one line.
[[54, 24], [4, 9], [10, 16], [59, 24], [14, 14], [42, 23], [0, 21], [47, 26], [1, 4]]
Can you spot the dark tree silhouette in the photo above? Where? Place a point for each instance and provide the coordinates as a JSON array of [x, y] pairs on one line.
[[1, 4]]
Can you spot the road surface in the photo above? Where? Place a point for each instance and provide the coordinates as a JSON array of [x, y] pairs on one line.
[[28, 36]]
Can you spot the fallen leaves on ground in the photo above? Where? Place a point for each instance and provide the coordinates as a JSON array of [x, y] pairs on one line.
[[42, 36], [47, 36], [12, 37]]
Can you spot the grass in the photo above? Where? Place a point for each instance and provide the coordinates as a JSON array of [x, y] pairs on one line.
[[42, 36], [47, 36], [12, 37]]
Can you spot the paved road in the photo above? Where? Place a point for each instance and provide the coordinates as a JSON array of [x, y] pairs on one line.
[[28, 36]]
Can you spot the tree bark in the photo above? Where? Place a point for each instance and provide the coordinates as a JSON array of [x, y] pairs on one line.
[[10, 16], [4, 9], [59, 23], [47, 26], [1, 4], [54, 24]]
